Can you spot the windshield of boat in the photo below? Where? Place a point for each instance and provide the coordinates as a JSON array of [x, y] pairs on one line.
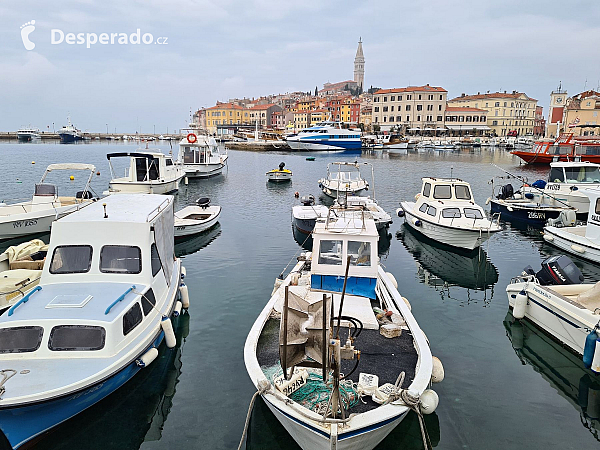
[[76, 338], [582, 174], [345, 176], [442, 191], [71, 259], [20, 339], [360, 253], [120, 259], [472, 213], [330, 252], [462, 192]]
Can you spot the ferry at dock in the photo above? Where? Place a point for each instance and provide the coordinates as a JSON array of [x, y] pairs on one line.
[[326, 135]]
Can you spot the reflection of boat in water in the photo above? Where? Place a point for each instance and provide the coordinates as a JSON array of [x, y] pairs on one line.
[[562, 369], [187, 246], [135, 415], [438, 262]]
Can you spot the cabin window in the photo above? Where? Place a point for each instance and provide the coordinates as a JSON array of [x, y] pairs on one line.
[[132, 318], [582, 175], [148, 301], [188, 155], [598, 206], [442, 191], [149, 165], [330, 252], [360, 253], [450, 213], [426, 189], [155, 260], [432, 211], [120, 259], [556, 175], [20, 339], [71, 259], [423, 207], [462, 192], [76, 338], [169, 162], [472, 213]]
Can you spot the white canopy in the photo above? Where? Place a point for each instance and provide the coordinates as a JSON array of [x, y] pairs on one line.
[[71, 166]]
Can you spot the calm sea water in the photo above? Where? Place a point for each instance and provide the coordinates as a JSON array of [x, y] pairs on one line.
[[506, 386]]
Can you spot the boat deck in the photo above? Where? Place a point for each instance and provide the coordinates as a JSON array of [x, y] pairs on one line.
[[380, 356]]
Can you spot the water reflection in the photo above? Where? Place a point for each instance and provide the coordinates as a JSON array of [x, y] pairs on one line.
[[563, 370], [441, 267], [196, 242], [131, 416]]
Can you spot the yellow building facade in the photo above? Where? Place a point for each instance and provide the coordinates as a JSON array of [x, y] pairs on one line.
[[225, 114]]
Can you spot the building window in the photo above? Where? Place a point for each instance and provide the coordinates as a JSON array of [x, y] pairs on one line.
[[408, 118], [391, 118], [482, 119], [385, 118], [439, 118], [497, 104], [400, 108], [419, 96], [398, 118], [399, 98], [419, 107], [409, 97], [392, 98], [467, 118], [418, 118], [377, 109], [392, 108], [376, 99], [494, 123], [430, 97], [429, 107], [461, 118], [385, 109], [385, 99], [441, 97], [408, 107]]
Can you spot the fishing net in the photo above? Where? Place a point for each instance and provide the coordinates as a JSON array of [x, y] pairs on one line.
[[315, 394]]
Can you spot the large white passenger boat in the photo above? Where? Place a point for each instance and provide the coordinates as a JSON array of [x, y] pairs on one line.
[[325, 135], [446, 212], [28, 134], [103, 306], [302, 353], [36, 215], [200, 156], [148, 173]]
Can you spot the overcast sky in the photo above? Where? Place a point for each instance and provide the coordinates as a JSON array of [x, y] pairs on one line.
[[234, 48]]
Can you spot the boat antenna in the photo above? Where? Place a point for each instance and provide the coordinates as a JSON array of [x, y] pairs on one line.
[[451, 169]]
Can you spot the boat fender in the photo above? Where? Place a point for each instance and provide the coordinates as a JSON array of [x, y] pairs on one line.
[[489, 199], [416, 222], [548, 237], [177, 309], [294, 279], [147, 357], [437, 371], [183, 272], [400, 212], [596, 359], [589, 349], [167, 327], [407, 303], [185, 296], [185, 180], [518, 196], [577, 248], [520, 305], [429, 401], [510, 208], [392, 279]]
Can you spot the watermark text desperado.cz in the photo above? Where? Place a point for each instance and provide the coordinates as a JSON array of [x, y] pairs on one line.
[[58, 37]]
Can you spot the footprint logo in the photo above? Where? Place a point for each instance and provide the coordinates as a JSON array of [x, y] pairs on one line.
[[26, 30]]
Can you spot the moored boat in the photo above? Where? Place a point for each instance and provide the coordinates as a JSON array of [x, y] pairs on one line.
[[326, 135], [200, 156], [566, 147], [346, 179], [194, 219], [28, 134], [69, 133], [279, 174]]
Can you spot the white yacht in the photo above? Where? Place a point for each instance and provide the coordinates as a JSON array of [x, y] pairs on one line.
[[200, 156], [46, 206], [325, 135], [445, 211], [310, 333], [343, 177], [148, 173], [104, 304], [28, 134]]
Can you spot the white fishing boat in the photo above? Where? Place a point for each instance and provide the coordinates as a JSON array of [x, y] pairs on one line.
[[557, 301], [445, 211], [28, 134], [46, 206], [194, 219], [326, 135], [580, 240], [103, 306], [316, 322], [20, 271], [344, 177], [148, 173], [280, 174], [200, 156]]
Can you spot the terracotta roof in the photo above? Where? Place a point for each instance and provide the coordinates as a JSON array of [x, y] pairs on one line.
[[464, 109], [425, 88], [263, 106], [492, 95], [225, 106]]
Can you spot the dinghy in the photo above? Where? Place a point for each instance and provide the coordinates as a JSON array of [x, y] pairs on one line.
[[280, 174], [197, 218], [336, 353], [103, 306]]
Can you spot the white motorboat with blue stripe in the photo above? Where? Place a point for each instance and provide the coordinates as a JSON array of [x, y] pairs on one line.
[[326, 135], [103, 305]]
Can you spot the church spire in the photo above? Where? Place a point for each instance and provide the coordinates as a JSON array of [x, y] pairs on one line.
[[359, 65]]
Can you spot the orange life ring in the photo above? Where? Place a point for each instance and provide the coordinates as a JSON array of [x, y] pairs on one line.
[[191, 138]]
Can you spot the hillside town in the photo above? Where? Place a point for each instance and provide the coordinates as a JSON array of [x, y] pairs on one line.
[[424, 110]]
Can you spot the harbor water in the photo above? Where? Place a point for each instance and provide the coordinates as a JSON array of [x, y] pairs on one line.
[[507, 385]]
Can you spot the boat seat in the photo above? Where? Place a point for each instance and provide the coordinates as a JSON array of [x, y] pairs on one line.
[[64, 201], [27, 264], [590, 298]]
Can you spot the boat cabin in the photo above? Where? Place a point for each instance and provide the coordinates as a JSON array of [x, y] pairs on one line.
[[144, 166], [574, 172], [345, 232], [108, 266], [592, 230], [447, 198], [198, 152]]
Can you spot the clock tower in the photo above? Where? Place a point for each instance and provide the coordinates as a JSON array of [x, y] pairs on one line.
[[558, 99]]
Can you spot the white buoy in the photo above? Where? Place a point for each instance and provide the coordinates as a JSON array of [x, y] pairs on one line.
[[185, 296], [407, 303], [596, 361], [185, 180], [393, 279], [183, 272], [147, 357], [520, 305], [167, 327], [548, 237], [510, 208], [177, 309], [437, 372], [429, 401]]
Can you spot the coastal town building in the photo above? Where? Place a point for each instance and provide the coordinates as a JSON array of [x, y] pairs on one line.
[[581, 114], [359, 66], [463, 120], [509, 114], [263, 114], [412, 108], [225, 114], [558, 100], [539, 126], [366, 116], [340, 87]]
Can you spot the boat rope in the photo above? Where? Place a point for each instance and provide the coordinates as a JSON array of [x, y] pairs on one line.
[[6, 374], [295, 256], [261, 390], [413, 402]]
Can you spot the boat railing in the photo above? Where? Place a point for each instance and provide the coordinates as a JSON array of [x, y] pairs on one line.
[[159, 209]]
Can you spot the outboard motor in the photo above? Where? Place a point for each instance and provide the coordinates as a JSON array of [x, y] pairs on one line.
[[506, 191], [308, 200], [566, 218], [281, 165], [556, 270], [203, 202]]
